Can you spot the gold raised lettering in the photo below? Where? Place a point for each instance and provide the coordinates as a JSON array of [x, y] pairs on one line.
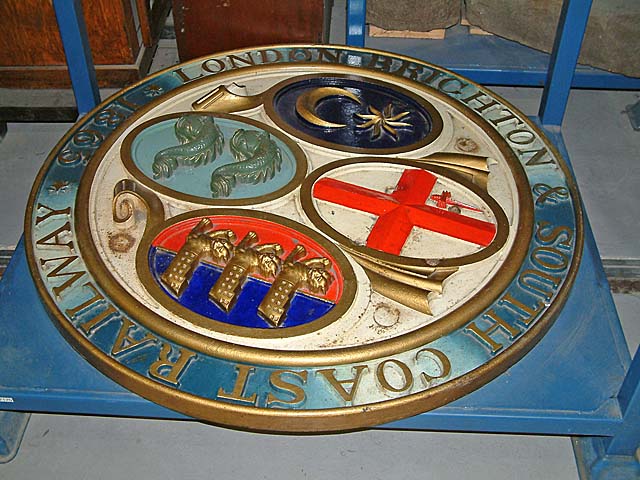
[[55, 235], [409, 70], [380, 62], [58, 272], [329, 56], [520, 136], [91, 324], [505, 115], [97, 296], [381, 375], [433, 76], [170, 370], [539, 283], [51, 212], [238, 394], [70, 157], [239, 62], [546, 237], [88, 138], [339, 385], [549, 258], [184, 77], [124, 342], [213, 65], [458, 85], [496, 324], [300, 55], [537, 157], [406, 68], [280, 385], [525, 311], [481, 98], [439, 359], [270, 56]]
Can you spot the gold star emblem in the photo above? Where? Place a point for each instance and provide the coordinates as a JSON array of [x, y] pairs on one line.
[[383, 120]]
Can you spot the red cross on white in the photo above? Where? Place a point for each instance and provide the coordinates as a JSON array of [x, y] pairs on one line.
[[402, 210]]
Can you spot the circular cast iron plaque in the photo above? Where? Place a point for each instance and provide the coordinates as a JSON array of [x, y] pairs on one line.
[[304, 239]]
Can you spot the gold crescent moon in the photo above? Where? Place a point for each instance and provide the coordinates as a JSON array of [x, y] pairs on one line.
[[307, 102]]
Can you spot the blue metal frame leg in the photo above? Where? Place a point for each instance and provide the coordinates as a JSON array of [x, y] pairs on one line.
[[615, 458], [595, 464], [356, 22], [73, 33], [564, 58], [12, 427]]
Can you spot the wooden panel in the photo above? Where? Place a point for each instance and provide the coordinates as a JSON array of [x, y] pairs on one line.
[[112, 33], [205, 26], [30, 33], [56, 76], [31, 54]]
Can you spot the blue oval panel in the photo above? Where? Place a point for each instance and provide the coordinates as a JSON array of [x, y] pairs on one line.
[[354, 113], [196, 180]]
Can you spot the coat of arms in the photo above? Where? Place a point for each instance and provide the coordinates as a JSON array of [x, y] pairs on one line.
[[304, 238]]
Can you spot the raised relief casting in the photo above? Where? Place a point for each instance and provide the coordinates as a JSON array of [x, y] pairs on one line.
[[201, 141], [247, 257], [384, 120], [202, 241], [257, 157], [312, 273], [342, 112]]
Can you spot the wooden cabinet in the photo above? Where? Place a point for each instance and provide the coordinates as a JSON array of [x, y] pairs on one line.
[[122, 35], [206, 26]]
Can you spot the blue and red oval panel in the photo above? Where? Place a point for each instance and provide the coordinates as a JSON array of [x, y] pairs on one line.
[[304, 305]]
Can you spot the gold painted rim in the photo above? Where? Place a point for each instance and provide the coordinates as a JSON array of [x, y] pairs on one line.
[[333, 420], [306, 199], [339, 309], [434, 116], [301, 163]]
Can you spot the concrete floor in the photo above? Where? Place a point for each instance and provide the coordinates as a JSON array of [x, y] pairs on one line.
[[604, 151]]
